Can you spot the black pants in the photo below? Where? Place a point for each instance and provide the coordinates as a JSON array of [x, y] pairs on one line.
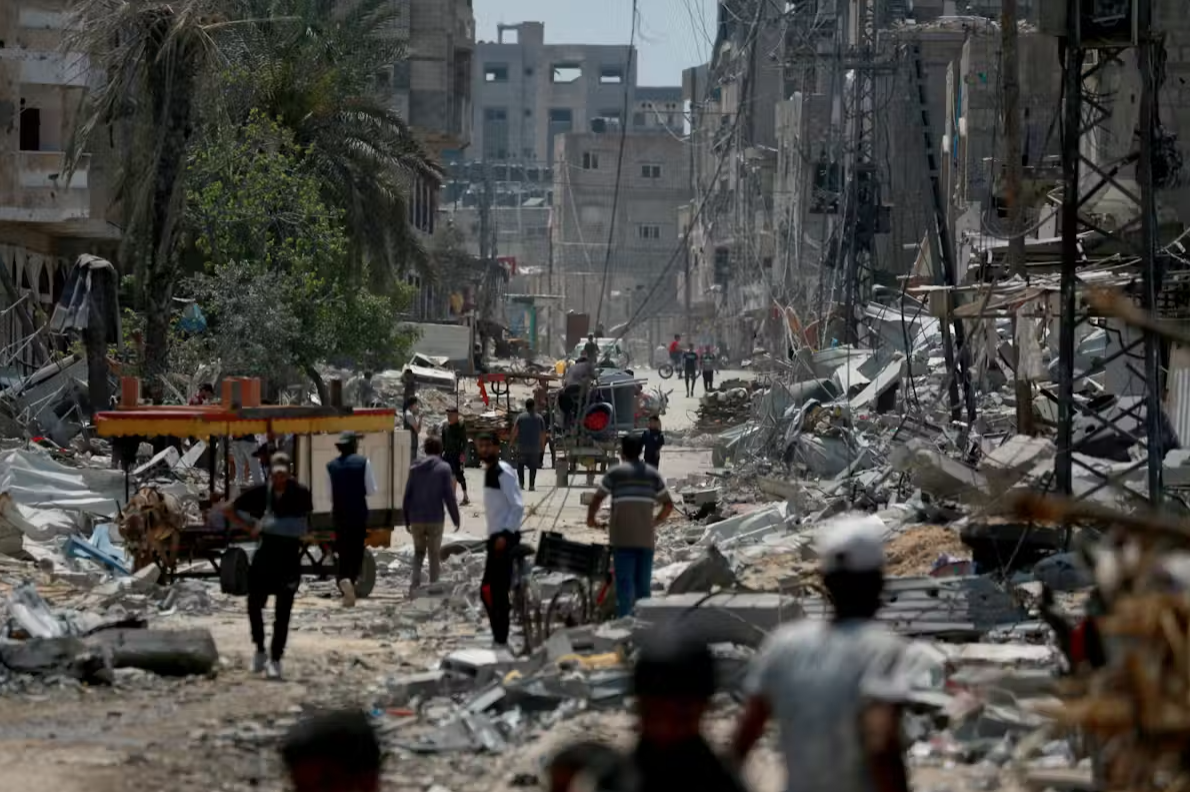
[[691, 378], [654, 461], [527, 459], [708, 380], [497, 582], [456, 467], [350, 542], [276, 571]]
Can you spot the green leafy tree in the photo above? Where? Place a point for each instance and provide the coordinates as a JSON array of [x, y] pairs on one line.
[[275, 288], [313, 66], [154, 57]]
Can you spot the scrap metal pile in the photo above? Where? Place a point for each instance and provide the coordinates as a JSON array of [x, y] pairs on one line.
[[1133, 694]]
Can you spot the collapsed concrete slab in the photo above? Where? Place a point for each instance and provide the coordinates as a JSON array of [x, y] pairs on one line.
[[1015, 458], [939, 475], [725, 618]]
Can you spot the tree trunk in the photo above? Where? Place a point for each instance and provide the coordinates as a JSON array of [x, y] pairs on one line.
[[324, 393]]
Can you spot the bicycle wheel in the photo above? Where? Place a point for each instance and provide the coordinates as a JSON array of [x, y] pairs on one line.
[[665, 371], [568, 607], [526, 613]]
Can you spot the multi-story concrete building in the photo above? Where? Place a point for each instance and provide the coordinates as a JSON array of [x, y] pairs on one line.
[[46, 218], [654, 185], [432, 87], [527, 93]]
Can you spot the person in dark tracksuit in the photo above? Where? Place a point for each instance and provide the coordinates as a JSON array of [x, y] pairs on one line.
[[454, 449], [351, 482], [282, 508], [690, 368], [505, 508]]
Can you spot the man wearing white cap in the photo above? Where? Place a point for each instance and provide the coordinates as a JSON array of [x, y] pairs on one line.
[[831, 685]]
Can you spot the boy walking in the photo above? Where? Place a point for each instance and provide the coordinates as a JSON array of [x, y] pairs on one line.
[[653, 439]]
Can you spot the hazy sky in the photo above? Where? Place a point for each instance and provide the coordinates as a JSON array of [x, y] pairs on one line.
[[673, 35]]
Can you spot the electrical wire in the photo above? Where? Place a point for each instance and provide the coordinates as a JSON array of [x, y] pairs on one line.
[[611, 231]]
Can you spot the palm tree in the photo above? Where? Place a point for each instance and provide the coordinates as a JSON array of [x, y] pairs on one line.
[[313, 66], [152, 56]]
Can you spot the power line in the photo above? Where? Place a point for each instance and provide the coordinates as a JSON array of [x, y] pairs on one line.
[[611, 231]]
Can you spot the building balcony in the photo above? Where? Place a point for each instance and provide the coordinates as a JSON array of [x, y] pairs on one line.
[[33, 188], [47, 67]]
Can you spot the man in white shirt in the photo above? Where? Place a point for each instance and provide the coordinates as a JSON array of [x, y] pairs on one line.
[[351, 482], [505, 508], [834, 686]]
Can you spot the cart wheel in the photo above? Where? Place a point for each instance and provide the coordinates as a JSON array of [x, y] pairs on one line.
[[367, 576], [568, 607], [233, 572]]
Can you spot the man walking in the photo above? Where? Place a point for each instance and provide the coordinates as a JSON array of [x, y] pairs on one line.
[[833, 686], [429, 494], [454, 449], [412, 420], [351, 482], [690, 368], [708, 369], [635, 489], [528, 437], [653, 440], [282, 510], [505, 509]]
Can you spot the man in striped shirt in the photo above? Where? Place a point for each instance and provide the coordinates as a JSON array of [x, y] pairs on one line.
[[635, 489]]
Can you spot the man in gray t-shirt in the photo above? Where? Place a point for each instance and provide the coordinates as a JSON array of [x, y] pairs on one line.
[[528, 438], [635, 489], [834, 687]]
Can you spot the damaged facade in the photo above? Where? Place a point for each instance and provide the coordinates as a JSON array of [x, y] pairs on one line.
[[47, 216]]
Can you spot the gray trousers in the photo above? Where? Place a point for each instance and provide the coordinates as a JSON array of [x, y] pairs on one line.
[[427, 539]]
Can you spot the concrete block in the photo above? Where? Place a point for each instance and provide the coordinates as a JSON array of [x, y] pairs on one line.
[[731, 618], [402, 689], [482, 665]]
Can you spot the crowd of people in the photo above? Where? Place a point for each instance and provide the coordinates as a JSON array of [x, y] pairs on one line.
[[834, 690]]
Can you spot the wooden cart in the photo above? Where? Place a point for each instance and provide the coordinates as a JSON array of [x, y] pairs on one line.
[[211, 548]]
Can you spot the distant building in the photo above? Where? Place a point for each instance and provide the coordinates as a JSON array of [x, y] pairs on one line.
[[645, 240], [527, 93], [46, 219]]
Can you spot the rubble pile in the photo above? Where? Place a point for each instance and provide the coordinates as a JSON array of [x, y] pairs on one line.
[[726, 407]]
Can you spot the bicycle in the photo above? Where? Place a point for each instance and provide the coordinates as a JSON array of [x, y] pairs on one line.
[[586, 598]]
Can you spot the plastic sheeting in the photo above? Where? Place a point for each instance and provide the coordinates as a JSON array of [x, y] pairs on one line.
[[32, 478]]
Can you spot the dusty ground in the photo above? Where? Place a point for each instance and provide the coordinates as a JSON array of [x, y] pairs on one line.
[[220, 733]]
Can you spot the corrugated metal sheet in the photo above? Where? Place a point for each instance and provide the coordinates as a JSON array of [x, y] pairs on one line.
[[957, 608]]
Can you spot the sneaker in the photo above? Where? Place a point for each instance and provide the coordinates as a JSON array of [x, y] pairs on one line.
[[272, 670], [259, 660], [348, 589], [532, 488]]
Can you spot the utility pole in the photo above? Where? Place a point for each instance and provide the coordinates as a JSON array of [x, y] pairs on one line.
[[549, 287], [694, 126], [1072, 88], [1151, 264], [1011, 86]]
